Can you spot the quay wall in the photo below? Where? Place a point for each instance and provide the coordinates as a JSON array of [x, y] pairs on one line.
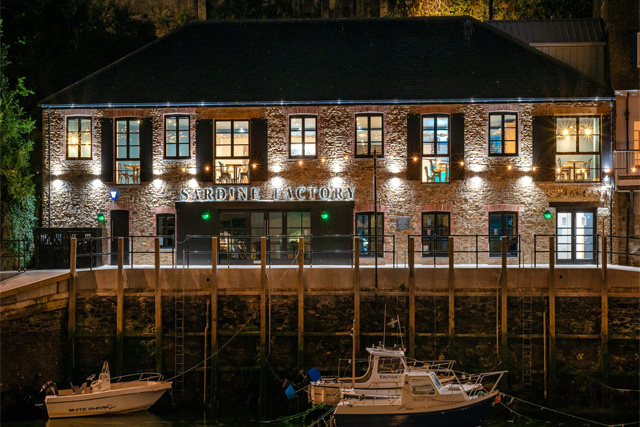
[[445, 314]]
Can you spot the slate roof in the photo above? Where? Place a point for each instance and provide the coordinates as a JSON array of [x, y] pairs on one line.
[[405, 60], [554, 30]]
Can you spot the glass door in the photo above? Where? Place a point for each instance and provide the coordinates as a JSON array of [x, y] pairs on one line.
[[576, 241]]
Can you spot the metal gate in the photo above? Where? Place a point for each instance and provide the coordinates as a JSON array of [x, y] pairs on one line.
[[53, 247]]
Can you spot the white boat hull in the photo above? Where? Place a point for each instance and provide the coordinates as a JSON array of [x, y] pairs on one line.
[[114, 401]]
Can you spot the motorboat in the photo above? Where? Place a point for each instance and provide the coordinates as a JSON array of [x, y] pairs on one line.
[[423, 401], [382, 377], [106, 395]]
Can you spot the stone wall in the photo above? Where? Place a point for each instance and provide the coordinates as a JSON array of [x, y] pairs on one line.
[[78, 194]]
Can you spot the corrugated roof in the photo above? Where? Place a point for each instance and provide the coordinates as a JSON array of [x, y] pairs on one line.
[[553, 31], [353, 60]]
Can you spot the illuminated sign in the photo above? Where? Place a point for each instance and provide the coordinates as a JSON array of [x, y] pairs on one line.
[[238, 194]]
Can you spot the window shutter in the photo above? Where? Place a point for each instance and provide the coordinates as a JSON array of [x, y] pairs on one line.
[[413, 147], [605, 141], [204, 149], [544, 148], [146, 149], [258, 150], [457, 146], [106, 143]]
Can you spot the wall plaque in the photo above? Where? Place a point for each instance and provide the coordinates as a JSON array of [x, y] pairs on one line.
[[402, 223]]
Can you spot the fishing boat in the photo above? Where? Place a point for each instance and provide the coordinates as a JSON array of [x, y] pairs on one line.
[[382, 377], [106, 395], [423, 401]]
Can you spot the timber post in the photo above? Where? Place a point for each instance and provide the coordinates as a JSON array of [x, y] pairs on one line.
[[71, 327], [504, 348], [412, 299], [263, 325], [452, 302], [214, 318], [120, 310], [300, 303], [158, 304], [604, 316], [552, 314], [356, 291]]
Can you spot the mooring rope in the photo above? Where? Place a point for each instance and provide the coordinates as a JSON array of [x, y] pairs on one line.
[[544, 408]]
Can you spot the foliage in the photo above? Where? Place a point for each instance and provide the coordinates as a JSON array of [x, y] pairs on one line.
[[502, 9], [18, 204]]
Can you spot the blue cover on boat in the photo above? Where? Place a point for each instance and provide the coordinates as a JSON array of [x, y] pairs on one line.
[[290, 392], [314, 374]]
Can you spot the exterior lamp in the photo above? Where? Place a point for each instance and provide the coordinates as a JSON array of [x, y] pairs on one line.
[[509, 167], [206, 216], [324, 215], [101, 217], [113, 194], [548, 214], [607, 170], [254, 165], [461, 163]]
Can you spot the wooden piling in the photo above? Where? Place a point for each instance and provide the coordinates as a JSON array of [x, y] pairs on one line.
[[71, 327], [552, 313], [120, 310], [604, 316], [504, 349], [263, 325], [214, 318], [356, 291], [452, 301], [301, 303], [158, 305], [412, 299]]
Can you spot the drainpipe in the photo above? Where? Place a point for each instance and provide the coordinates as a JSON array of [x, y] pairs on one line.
[[610, 142], [490, 10], [630, 214], [49, 154]]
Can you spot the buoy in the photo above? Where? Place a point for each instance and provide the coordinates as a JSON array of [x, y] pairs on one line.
[[498, 399]]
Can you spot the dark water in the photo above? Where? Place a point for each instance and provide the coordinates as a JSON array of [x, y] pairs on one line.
[[500, 417]]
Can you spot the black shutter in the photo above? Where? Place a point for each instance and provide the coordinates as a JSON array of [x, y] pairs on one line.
[[204, 149], [106, 143], [457, 146], [146, 149], [544, 148], [605, 140], [258, 150], [414, 150]]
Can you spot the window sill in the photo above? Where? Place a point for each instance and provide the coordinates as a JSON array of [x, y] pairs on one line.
[[88, 159], [176, 158]]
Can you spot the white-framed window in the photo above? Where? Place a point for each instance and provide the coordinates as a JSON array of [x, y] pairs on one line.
[[303, 133], [78, 138]]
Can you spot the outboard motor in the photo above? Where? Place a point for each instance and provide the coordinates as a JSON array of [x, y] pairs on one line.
[[49, 388]]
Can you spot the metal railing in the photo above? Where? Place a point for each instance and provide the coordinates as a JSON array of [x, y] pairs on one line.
[[95, 249], [628, 243], [627, 164], [476, 246], [13, 254]]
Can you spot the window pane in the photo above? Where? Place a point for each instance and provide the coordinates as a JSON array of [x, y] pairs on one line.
[[443, 148], [309, 149], [86, 151], [510, 121], [296, 124], [428, 122], [85, 139], [296, 150], [427, 136], [589, 143], [362, 136], [310, 137], [376, 135], [566, 144], [376, 122], [510, 134], [362, 122], [296, 137], [171, 124], [171, 150], [223, 151], [294, 219], [223, 126], [428, 149], [121, 153], [565, 126], [134, 139], [495, 120], [443, 122], [73, 151], [134, 126], [310, 123], [443, 135], [86, 125], [510, 147], [121, 126], [171, 137], [184, 123], [184, 150], [134, 152], [240, 151], [72, 125], [306, 219], [362, 149], [241, 127], [184, 137]]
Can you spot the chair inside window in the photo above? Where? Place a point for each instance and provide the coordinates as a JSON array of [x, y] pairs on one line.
[[562, 173], [428, 169], [225, 175], [584, 173]]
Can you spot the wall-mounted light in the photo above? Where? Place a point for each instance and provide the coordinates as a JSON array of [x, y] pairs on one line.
[[254, 165], [101, 217], [206, 215], [509, 167], [113, 194], [324, 215], [547, 214], [607, 170]]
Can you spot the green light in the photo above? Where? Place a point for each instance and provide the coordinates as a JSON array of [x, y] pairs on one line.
[[548, 214], [101, 217], [206, 216], [324, 215]]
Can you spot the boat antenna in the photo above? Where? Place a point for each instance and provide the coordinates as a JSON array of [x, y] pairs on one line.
[[384, 327]]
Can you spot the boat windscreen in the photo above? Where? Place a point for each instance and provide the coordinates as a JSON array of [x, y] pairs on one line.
[[435, 380], [390, 365]]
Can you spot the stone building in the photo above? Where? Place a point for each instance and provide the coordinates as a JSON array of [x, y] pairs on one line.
[[257, 128]]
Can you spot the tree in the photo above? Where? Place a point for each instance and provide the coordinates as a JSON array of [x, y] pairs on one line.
[[17, 190]]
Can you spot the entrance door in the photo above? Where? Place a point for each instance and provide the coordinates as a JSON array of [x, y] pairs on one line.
[[576, 230], [120, 228]]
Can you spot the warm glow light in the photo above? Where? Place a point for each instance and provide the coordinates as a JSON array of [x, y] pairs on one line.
[[336, 181], [558, 170], [254, 165], [565, 132], [184, 169], [74, 140], [96, 183], [533, 168], [633, 169], [206, 168], [461, 163], [277, 182], [323, 160], [587, 131], [300, 162], [193, 183], [607, 170], [157, 183], [392, 156], [509, 167], [346, 157], [415, 159]]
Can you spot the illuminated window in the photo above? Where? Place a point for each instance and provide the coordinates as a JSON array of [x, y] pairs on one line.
[[176, 137], [232, 152], [503, 134], [127, 151], [578, 149], [78, 138], [302, 136], [435, 148], [368, 135]]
